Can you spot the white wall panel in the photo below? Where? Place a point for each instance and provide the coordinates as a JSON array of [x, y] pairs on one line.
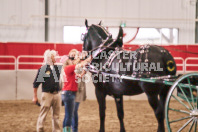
[[93, 8], [114, 8], [16, 23], [131, 8], [25, 87], [112, 12], [25, 81], [8, 85]]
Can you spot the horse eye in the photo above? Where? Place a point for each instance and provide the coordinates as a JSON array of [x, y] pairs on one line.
[[82, 37]]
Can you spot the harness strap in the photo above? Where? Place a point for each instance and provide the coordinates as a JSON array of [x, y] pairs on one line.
[[152, 79], [113, 56], [144, 50], [110, 60]]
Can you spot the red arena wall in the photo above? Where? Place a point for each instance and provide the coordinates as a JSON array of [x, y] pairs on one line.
[[182, 52]]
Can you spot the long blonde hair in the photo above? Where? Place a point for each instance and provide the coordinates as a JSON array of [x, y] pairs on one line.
[[77, 59], [74, 50]]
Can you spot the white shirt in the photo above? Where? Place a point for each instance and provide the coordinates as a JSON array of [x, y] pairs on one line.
[[52, 67]]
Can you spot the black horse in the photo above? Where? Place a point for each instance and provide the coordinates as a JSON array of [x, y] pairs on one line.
[[98, 40]]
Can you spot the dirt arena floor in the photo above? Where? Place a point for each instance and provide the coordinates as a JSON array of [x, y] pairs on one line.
[[21, 116]]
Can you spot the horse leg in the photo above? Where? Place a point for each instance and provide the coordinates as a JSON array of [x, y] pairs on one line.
[[159, 111], [120, 112], [163, 95], [102, 106]]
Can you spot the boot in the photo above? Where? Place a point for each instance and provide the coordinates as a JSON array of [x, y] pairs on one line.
[[64, 129], [67, 129]]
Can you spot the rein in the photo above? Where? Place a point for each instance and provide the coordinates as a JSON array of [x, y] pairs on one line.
[[183, 51], [159, 79]]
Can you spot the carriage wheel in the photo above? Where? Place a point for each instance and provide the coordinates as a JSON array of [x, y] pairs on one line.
[[182, 104]]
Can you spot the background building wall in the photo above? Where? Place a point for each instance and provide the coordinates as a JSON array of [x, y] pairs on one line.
[[23, 20]]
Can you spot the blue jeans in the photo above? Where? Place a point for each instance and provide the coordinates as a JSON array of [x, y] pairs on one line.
[[69, 101], [75, 118]]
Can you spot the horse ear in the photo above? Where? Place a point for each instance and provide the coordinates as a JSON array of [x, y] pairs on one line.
[[86, 23], [119, 39], [100, 23]]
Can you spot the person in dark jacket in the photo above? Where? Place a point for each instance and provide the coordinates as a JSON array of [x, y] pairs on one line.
[[48, 75]]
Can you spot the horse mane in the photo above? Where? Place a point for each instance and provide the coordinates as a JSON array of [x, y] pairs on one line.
[[101, 31]]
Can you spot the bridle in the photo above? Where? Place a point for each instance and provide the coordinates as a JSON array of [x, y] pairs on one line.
[[101, 47]]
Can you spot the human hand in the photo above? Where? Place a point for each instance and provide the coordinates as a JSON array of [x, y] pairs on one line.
[[79, 66], [35, 99], [79, 75]]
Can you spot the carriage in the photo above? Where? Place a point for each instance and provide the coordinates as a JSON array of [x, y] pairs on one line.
[[184, 90], [174, 95]]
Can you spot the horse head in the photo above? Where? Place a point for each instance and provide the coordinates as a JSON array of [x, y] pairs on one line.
[[96, 35]]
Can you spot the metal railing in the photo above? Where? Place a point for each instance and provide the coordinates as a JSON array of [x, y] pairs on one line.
[[9, 63], [181, 64], [184, 63], [190, 65], [15, 68], [28, 63]]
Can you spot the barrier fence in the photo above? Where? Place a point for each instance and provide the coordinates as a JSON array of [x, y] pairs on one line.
[[18, 63], [191, 64], [180, 63], [184, 65], [31, 63], [5, 63]]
